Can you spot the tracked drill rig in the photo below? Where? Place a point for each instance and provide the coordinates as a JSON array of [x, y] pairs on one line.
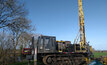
[[53, 52]]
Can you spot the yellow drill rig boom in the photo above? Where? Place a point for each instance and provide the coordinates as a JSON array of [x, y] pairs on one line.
[[81, 25], [82, 43]]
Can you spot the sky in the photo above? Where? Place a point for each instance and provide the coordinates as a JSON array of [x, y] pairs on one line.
[[60, 18]]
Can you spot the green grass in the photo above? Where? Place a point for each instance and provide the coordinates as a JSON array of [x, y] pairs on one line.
[[26, 63], [98, 54], [20, 63]]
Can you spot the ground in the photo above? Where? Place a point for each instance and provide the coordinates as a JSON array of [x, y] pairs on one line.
[[25, 63], [96, 54]]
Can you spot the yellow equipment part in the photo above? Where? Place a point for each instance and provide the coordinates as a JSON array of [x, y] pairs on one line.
[[60, 45], [87, 60], [91, 50], [81, 24], [105, 60]]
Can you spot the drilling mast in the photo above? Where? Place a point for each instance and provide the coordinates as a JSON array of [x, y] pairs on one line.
[[81, 25], [81, 34]]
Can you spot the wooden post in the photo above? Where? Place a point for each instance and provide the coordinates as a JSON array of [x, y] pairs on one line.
[[34, 50], [35, 56], [29, 62]]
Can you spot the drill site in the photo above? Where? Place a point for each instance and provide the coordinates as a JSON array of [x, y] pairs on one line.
[[53, 32]]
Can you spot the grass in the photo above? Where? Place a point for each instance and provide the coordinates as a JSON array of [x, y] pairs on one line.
[[21, 63], [26, 63], [98, 54]]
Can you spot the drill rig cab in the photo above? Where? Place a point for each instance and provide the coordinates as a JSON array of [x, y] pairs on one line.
[[46, 44]]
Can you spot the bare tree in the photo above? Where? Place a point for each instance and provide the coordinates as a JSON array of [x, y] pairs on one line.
[[20, 26], [13, 17], [9, 11], [26, 39], [5, 48], [25, 42]]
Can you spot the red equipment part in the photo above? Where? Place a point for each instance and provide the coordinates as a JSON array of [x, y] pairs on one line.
[[26, 51]]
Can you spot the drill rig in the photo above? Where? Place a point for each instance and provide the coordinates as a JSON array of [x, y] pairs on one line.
[[53, 52]]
